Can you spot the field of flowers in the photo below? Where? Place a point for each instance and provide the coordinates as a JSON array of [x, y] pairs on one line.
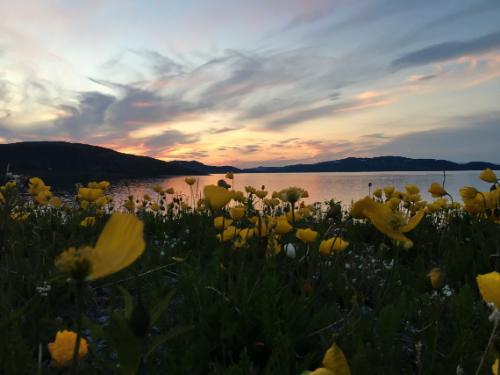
[[249, 282]]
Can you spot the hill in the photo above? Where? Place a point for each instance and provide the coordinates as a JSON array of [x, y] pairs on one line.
[[76, 162], [376, 164]]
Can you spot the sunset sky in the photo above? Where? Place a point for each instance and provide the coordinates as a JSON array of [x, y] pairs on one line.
[[248, 83]]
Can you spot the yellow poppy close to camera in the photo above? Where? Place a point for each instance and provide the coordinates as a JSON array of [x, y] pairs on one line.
[[120, 243], [488, 176], [489, 286], [334, 363], [217, 196], [61, 350], [237, 212], [391, 223]]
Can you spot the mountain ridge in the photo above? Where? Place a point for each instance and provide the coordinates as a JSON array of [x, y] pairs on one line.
[[78, 162]]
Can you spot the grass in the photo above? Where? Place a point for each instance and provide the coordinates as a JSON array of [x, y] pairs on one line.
[[192, 303]]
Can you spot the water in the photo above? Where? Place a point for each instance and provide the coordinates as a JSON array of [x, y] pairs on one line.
[[342, 186]]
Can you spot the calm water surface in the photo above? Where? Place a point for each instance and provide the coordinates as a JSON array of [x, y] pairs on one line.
[[342, 186]]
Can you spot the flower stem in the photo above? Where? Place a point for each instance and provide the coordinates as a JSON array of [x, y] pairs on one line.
[[78, 303], [490, 341]]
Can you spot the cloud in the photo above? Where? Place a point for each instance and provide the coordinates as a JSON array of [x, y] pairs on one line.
[[472, 138], [88, 117], [448, 50], [222, 130]]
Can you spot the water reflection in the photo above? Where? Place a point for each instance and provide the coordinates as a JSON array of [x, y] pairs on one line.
[[343, 186]]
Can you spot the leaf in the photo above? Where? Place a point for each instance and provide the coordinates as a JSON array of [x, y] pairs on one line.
[[95, 329], [161, 307], [128, 347], [127, 300], [162, 339], [335, 361]]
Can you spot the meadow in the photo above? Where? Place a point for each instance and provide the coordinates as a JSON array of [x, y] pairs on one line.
[[249, 282]]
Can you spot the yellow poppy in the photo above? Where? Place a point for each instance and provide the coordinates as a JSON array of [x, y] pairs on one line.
[[436, 278], [412, 189], [61, 350], [2, 198], [334, 244], [237, 212], [120, 243], [391, 223], [377, 193], [220, 221], [495, 368], [229, 175], [468, 192], [437, 190], [261, 194], [88, 221], [489, 286], [388, 190], [190, 180], [306, 235], [488, 176], [228, 234], [89, 194], [282, 226], [334, 363], [217, 196]]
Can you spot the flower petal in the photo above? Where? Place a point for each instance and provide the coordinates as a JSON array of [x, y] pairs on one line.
[[121, 242], [489, 286], [413, 222], [335, 361]]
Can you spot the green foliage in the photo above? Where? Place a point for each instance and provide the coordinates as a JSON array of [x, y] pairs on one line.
[[226, 310]]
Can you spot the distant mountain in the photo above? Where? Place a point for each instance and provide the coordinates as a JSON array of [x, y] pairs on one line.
[[376, 164], [75, 162], [203, 168], [64, 162]]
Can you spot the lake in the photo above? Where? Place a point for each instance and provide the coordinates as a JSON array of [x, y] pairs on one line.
[[342, 186]]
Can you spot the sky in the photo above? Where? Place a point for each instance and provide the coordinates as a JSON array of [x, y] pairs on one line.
[[249, 83]]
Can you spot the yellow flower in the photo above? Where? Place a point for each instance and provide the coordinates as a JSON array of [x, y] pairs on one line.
[[229, 175], [129, 204], [412, 189], [170, 191], [88, 221], [19, 216], [488, 176], [261, 228], [388, 190], [291, 194], [119, 245], [61, 350], [392, 224], [334, 244], [468, 192], [158, 189], [437, 190], [190, 180], [282, 226], [229, 233], [238, 196], [55, 202], [43, 197], [495, 368], [250, 189], [377, 193], [237, 212], [101, 201], [489, 286], [246, 233], [436, 278], [89, 194], [306, 235], [261, 194], [36, 185], [220, 220], [2, 198], [217, 196], [334, 363]]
